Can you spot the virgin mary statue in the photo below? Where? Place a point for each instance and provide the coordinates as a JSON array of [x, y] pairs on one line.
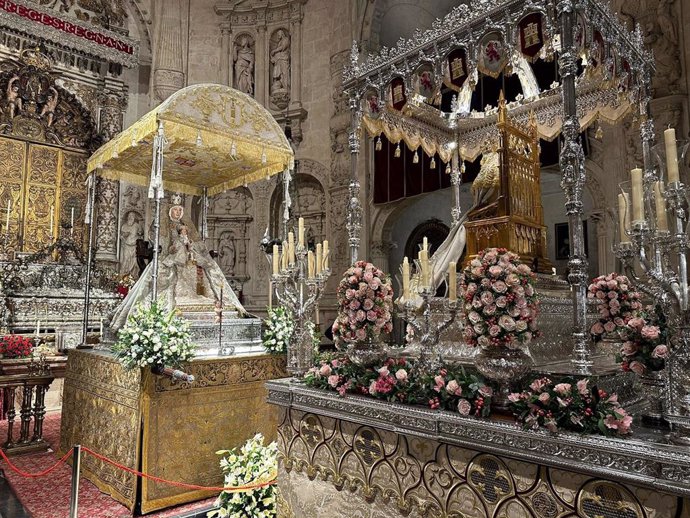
[[188, 278]]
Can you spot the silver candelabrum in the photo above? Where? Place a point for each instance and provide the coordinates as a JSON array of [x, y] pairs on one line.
[[427, 327], [661, 257], [299, 294]]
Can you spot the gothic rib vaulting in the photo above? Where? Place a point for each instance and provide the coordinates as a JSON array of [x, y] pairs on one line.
[[308, 258]]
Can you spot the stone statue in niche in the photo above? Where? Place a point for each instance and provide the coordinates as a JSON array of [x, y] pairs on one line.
[[226, 253], [243, 59], [280, 68], [132, 230]]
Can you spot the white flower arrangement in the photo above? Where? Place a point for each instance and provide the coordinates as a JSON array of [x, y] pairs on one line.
[[254, 463], [279, 329], [151, 337]]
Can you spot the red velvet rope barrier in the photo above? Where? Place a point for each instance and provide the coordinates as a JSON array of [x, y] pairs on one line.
[[230, 489], [35, 475]]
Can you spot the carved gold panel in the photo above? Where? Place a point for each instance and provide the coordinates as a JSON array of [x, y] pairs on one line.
[[12, 162], [36, 179]]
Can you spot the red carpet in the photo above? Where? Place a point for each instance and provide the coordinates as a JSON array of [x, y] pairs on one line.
[[48, 497]]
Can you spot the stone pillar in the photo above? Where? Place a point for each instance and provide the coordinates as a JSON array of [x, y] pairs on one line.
[[225, 54], [602, 241], [168, 71], [296, 62], [261, 65], [113, 104]]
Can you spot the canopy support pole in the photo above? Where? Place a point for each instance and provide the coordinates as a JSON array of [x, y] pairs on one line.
[[88, 221], [354, 206], [572, 163], [156, 192]]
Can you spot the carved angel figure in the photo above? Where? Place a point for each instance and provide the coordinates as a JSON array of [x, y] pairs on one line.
[[49, 107], [14, 101]]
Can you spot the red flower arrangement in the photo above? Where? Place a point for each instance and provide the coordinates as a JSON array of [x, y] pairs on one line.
[[15, 346]]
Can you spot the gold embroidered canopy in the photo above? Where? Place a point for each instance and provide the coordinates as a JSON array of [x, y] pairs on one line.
[[216, 139]]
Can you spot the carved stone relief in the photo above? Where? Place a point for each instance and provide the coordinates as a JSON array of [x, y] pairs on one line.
[[231, 233], [280, 68], [109, 14], [308, 202], [659, 22], [243, 63], [36, 108], [132, 226]]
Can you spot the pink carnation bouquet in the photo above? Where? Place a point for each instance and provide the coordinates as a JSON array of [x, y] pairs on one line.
[[500, 301], [617, 302], [365, 297]]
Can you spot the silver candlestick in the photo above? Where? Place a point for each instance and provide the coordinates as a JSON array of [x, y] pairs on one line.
[[661, 256], [300, 294], [427, 329]]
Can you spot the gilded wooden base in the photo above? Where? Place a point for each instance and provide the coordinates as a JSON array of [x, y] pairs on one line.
[[180, 426]]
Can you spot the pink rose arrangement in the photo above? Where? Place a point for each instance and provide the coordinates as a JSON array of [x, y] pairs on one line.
[[454, 389], [365, 297], [570, 405], [399, 380], [645, 342], [617, 302], [500, 301]]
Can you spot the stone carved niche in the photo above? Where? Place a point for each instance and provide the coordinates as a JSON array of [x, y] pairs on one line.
[[280, 68], [231, 233], [308, 202], [261, 54], [243, 64]]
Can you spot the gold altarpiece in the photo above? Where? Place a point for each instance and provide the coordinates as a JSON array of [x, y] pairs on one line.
[[514, 219], [45, 137]]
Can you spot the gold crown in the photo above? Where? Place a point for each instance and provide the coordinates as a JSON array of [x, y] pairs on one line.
[[36, 58]]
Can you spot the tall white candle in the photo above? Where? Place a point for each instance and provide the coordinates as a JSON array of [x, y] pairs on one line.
[[671, 155], [71, 223], [38, 327], [660, 202], [624, 216], [310, 264], [300, 232], [452, 282], [7, 219], [325, 255], [52, 220], [406, 279], [319, 258], [637, 195], [425, 244], [286, 252], [291, 247], [101, 327], [276, 258]]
